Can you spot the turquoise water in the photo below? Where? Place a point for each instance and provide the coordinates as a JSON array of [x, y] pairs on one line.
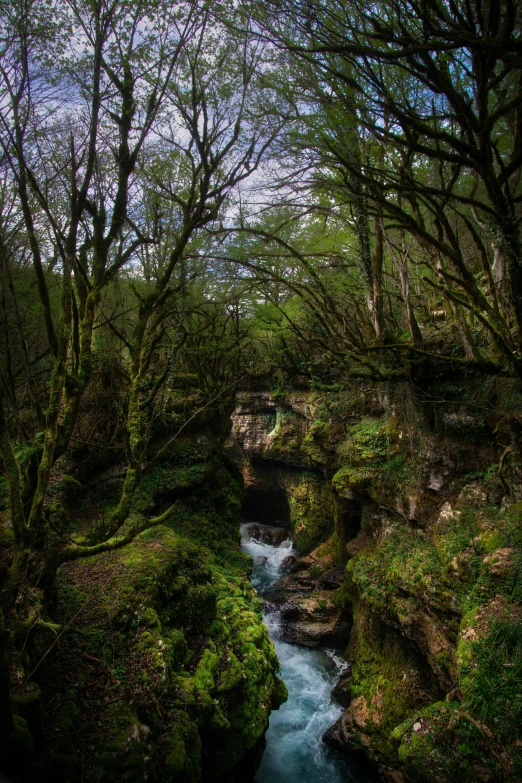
[[294, 751]]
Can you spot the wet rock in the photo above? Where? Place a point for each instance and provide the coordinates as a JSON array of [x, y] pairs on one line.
[[253, 531], [298, 583], [266, 536], [271, 536], [305, 583], [343, 690], [303, 564], [333, 737], [334, 578], [289, 563], [313, 620], [340, 737], [289, 612], [279, 537]]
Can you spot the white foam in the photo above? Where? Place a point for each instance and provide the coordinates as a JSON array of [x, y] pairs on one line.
[[294, 751]]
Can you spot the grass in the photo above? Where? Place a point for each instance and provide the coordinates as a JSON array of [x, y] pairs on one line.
[[492, 679], [401, 561]]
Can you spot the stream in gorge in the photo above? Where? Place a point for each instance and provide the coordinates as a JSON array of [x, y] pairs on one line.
[[294, 750]]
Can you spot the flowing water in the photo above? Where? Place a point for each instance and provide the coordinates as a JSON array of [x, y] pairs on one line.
[[294, 751]]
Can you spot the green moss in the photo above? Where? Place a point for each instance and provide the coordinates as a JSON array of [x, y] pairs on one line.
[[173, 634], [456, 533], [403, 753], [313, 442], [311, 509], [371, 441], [447, 747], [401, 561], [183, 761], [184, 467], [358, 479], [374, 464], [389, 680], [491, 677], [23, 737]]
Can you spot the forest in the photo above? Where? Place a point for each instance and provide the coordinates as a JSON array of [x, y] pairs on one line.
[[248, 251]]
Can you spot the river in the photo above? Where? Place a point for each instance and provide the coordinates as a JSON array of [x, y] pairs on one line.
[[294, 751]]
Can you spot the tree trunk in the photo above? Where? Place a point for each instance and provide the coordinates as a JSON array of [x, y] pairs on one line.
[[415, 332], [377, 299]]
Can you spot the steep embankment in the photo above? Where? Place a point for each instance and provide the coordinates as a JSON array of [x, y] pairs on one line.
[[157, 666], [417, 492]]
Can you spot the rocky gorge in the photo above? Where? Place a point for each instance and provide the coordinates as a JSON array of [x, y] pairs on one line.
[[405, 508], [261, 391], [403, 504]]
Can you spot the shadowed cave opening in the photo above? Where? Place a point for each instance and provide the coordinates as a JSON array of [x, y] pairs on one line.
[[268, 506], [266, 500]]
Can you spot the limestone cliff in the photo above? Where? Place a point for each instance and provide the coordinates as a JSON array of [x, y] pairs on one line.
[[414, 493]]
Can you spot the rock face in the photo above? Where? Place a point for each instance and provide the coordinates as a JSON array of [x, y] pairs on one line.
[[313, 620], [307, 601], [287, 465], [266, 426], [409, 534]]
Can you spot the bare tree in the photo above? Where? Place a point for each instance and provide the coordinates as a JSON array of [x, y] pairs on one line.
[[125, 129]]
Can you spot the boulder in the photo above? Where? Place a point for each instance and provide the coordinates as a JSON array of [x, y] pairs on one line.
[[312, 620], [289, 563]]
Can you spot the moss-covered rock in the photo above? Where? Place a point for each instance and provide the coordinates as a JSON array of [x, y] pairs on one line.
[[164, 650], [389, 679], [311, 509], [183, 761]]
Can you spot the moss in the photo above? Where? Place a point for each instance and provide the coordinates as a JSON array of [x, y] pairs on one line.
[[236, 680], [311, 509], [358, 479], [183, 760], [6, 530], [127, 750], [313, 442], [22, 736], [491, 674], [172, 652], [477, 737], [446, 747], [389, 680], [374, 465], [401, 562], [370, 442], [184, 467], [491, 541], [344, 596], [59, 515]]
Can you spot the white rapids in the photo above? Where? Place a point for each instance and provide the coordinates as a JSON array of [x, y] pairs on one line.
[[294, 750]]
